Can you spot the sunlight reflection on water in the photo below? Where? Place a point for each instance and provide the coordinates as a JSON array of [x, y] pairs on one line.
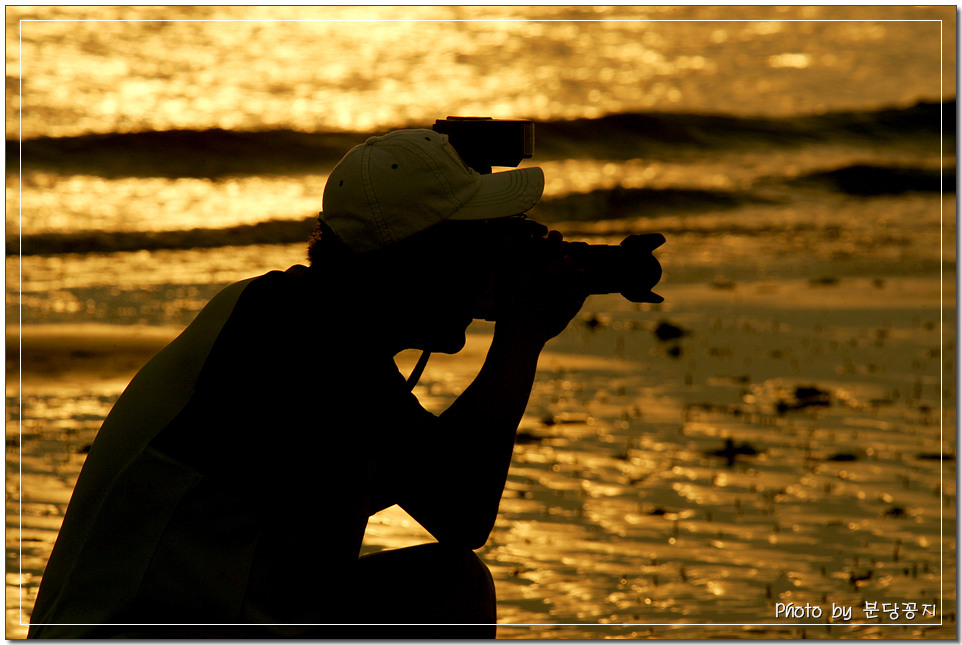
[[362, 68], [625, 506]]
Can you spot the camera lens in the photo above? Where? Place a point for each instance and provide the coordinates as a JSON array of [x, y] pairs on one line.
[[629, 268]]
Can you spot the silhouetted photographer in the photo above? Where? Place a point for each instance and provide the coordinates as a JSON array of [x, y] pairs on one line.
[[228, 491]]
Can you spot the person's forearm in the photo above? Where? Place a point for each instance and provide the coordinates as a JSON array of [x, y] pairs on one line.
[[499, 393], [478, 434]]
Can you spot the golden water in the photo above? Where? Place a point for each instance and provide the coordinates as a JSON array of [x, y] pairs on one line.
[[616, 519], [115, 69]]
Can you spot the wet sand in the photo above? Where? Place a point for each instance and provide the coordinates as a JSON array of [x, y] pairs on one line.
[[772, 443]]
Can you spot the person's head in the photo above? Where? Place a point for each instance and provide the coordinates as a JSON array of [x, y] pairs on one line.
[[404, 222]]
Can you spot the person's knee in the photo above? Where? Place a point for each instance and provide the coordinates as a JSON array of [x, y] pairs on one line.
[[463, 560], [454, 581], [467, 573], [462, 566]]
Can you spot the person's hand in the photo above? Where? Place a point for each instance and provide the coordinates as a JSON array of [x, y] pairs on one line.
[[544, 293]]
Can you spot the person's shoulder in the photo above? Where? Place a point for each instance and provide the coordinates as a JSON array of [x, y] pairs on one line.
[[281, 295], [294, 276]]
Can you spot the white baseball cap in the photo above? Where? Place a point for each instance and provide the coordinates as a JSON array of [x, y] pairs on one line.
[[394, 186]]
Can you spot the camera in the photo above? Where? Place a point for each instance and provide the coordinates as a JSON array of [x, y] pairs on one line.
[[628, 268]]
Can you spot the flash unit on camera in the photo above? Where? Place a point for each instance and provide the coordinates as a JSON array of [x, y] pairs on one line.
[[483, 142]]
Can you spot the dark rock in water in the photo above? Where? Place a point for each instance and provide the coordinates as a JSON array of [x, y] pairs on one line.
[[667, 331], [714, 408], [935, 456], [896, 511], [564, 418], [720, 282], [593, 321], [804, 396], [842, 456], [730, 451], [526, 438], [855, 578], [810, 395]]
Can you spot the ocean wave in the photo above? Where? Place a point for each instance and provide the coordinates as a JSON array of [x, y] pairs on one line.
[[220, 153], [271, 232], [627, 136], [869, 180], [603, 205], [608, 204], [184, 153], [624, 203]]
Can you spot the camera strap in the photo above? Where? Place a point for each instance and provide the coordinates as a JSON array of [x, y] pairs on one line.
[[418, 369]]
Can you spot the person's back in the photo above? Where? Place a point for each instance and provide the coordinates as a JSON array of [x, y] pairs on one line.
[[175, 495], [152, 399]]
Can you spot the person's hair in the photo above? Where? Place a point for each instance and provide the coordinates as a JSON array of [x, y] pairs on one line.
[[325, 246]]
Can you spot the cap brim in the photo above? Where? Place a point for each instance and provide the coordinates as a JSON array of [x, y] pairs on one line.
[[504, 194]]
